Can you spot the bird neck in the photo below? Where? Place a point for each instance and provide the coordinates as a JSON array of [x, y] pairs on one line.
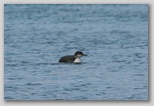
[[77, 60]]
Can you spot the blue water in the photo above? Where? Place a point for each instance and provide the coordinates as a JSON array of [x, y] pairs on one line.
[[115, 38]]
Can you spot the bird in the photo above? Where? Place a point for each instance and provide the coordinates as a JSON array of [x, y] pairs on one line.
[[72, 58]]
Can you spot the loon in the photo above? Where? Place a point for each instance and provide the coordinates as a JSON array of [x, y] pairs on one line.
[[72, 58]]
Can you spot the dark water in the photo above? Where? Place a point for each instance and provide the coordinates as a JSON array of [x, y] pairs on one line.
[[115, 37]]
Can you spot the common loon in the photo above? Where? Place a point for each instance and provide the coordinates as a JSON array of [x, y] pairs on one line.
[[72, 58]]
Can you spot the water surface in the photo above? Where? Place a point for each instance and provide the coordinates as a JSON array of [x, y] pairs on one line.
[[115, 37]]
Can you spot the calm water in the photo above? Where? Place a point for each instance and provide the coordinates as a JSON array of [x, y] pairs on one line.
[[115, 37]]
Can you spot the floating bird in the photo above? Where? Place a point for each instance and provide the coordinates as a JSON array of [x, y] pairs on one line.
[[72, 58]]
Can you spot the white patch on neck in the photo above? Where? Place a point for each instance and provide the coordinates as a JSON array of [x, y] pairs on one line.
[[77, 60]]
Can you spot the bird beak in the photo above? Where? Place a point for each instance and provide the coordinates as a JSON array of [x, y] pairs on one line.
[[85, 55]]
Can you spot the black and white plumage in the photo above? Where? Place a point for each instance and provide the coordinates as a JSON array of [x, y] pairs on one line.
[[72, 58]]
